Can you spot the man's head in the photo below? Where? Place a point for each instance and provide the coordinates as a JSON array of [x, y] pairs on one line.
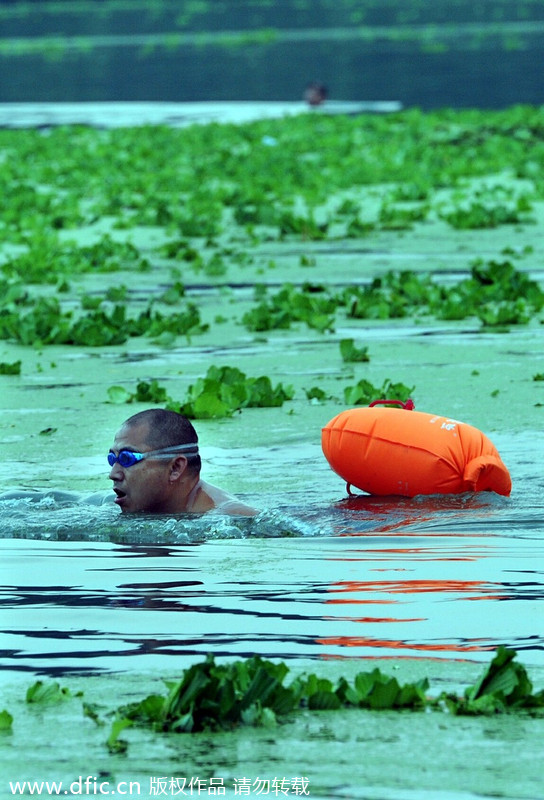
[[315, 94], [153, 483]]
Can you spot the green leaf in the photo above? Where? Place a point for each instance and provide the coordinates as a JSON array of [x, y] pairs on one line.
[[119, 395], [13, 368], [185, 723], [347, 694], [363, 393], [208, 406], [184, 693], [284, 700], [113, 742], [323, 701], [365, 682], [6, 721], [90, 711], [503, 678], [384, 693], [261, 687], [412, 695], [90, 303], [117, 294], [257, 716], [315, 393], [151, 392], [44, 693], [165, 339], [350, 353]]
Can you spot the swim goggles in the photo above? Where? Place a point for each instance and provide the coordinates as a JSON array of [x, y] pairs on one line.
[[127, 458]]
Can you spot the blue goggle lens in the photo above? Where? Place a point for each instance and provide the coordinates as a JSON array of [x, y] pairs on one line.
[[126, 458]]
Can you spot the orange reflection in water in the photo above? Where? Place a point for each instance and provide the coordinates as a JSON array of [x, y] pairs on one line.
[[421, 553], [469, 590], [397, 644], [395, 513], [375, 619], [413, 587], [350, 600]]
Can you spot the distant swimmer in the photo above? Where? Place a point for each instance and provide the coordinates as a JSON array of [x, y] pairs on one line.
[[155, 468], [315, 94]]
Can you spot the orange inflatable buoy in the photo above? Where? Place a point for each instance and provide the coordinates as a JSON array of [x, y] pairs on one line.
[[399, 451]]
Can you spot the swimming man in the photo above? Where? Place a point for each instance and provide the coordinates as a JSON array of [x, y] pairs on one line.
[[155, 468]]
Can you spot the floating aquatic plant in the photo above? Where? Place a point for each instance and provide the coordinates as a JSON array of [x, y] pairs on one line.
[[489, 208], [211, 696], [146, 392], [44, 692], [364, 392], [225, 390], [221, 392], [312, 305], [48, 259], [6, 721], [351, 353], [10, 368], [396, 217], [44, 321]]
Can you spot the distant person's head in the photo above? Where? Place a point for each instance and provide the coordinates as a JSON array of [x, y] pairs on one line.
[[315, 94], [153, 459]]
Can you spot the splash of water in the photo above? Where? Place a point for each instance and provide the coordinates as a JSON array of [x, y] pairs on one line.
[[66, 516]]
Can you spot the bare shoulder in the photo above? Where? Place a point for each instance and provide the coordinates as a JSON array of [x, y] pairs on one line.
[[236, 507], [222, 501]]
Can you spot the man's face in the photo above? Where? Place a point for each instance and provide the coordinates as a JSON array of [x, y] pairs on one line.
[[144, 486]]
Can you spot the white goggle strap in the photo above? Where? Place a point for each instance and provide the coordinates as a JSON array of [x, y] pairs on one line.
[[167, 452]]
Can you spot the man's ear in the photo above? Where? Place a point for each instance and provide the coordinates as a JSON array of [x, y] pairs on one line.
[[177, 467]]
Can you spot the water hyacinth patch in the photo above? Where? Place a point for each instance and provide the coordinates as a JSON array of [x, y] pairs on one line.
[[495, 292], [310, 304], [212, 696], [491, 285], [317, 395], [180, 250], [306, 227], [26, 209], [499, 315], [146, 392], [47, 259], [225, 390], [504, 686], [395, 217], [13, 368], [45, 322], [488, 208], [220, 393], [364, 392], [187, 181], [182, 323], [393, 295]]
